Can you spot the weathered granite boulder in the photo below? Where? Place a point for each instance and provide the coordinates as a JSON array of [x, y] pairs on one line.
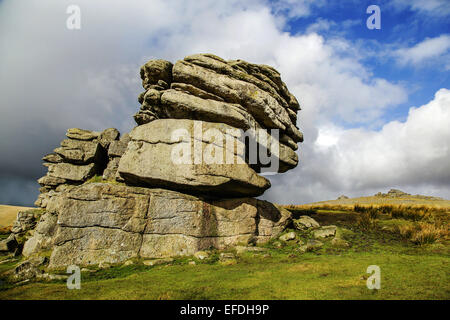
[[111, 170], [212, 164], [102, 222], [180, 105], [288, 236], [42, 238], [305, 223], [9, 244], [26, 220], [80, 134], [324, 232], [311, 245], [155, 71], [67, 171], [261, 104], [117, 147], [79, 152]]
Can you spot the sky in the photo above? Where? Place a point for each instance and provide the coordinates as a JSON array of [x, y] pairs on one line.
[[375, 102]]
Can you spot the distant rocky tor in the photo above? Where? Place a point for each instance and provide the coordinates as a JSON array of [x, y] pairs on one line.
[[108, 198], [395, 193]]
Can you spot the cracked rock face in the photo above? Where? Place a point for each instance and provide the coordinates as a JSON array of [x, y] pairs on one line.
[[101, 222]]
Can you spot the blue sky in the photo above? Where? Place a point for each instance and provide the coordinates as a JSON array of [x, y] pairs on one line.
[[375, 103], [401, 26]]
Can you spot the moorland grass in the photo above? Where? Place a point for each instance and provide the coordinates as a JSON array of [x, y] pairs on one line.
[[410, 269], [309, 276]]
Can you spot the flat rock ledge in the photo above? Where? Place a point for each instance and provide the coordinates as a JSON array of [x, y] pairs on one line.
[[98, 223]]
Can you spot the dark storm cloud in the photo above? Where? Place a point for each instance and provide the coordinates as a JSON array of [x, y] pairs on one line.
[[52, 79]]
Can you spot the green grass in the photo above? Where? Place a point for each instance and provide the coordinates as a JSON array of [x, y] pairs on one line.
[[99, 179], [408, 271], [310, 276]]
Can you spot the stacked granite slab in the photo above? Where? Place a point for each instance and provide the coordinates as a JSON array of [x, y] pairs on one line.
[[208, 92], [82, 155], [115, 151]]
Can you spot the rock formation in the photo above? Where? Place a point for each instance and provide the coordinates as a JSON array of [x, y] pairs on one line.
[[393, 193], [183, 179], [81, 156], [223, 95]]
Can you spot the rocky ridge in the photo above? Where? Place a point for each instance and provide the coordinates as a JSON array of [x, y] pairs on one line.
[[395, 193]]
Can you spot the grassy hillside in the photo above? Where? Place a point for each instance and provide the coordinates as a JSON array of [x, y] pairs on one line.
[[8, 215], [376, 201]]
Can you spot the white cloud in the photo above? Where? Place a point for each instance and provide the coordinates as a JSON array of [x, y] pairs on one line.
[[430, 7], [322, 25], [296, 8], [413, 155], [431, 49], [421, 145]]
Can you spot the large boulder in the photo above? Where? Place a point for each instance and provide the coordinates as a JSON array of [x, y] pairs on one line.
[[324, 232], [81, 134], [9, 244], [42, 238], [155, 71], [305, 223], [107, 223], [26, 220], [181, 105], [191, 156], [107, 136], [71, 172], [79, 152]]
